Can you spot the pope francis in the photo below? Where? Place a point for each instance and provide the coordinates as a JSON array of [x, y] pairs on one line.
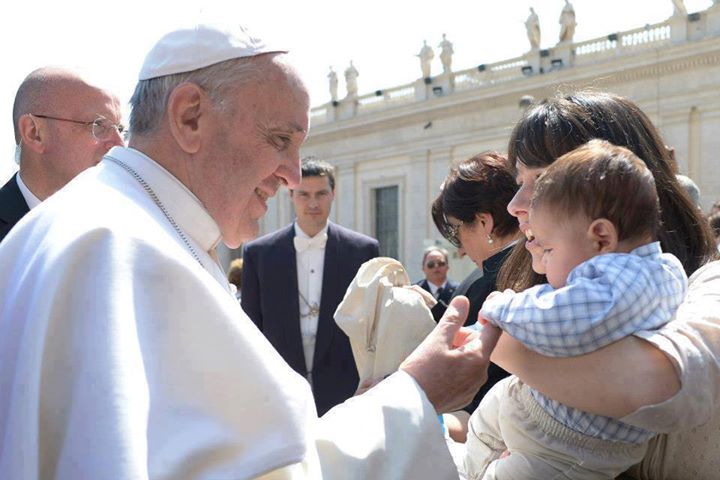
[[124, 354]]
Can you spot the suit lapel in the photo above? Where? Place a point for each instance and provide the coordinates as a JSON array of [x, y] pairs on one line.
[[12, 204], [331, 278]]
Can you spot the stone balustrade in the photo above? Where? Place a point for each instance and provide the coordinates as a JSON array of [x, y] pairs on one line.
[[564, 55]]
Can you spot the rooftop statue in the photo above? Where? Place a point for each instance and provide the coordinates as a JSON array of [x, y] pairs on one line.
[[567, 22], [426, 55], [333, 80], [679, 8], [351, 75], [532, 24], [446, 54]]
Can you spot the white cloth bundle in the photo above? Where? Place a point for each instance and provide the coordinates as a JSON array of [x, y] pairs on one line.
[[384, 321]]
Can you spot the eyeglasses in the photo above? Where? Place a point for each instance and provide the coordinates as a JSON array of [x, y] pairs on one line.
[[433, 264], [102, 128], [452, 232]]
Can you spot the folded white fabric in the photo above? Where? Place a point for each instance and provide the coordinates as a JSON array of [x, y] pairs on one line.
[[384, 321]]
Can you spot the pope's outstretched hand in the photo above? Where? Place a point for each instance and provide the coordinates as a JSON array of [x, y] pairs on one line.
[[450, 365]]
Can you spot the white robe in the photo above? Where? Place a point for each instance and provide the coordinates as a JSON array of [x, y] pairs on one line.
[[123, 357]]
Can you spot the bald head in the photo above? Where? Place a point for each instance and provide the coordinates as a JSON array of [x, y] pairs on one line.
[[43, 89], [52, 116]]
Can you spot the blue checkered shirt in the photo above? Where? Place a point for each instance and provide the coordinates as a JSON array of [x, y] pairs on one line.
[[606, 298]]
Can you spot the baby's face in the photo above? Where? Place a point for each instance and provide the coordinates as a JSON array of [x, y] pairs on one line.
[[565, 242]]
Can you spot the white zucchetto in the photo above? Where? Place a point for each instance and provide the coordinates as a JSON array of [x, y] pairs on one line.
[[189, 49]]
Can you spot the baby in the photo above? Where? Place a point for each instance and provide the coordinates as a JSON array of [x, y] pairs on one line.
[[595, 214]]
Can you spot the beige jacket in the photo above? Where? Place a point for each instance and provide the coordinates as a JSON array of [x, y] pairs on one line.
[[692, 340]]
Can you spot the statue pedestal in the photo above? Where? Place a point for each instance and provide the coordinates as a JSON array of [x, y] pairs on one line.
[[331, 111], [422, 89], [533, 59], [446, 82], [712, 19], [678, 28], [347, 108], [562, 51]]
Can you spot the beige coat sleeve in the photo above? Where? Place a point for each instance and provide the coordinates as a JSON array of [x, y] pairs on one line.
[[692, 341]]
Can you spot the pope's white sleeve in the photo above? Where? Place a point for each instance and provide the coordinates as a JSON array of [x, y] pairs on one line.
[[391, 431]]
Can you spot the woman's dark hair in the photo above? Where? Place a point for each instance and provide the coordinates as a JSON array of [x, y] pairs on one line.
[[558, 125], [484, 183]]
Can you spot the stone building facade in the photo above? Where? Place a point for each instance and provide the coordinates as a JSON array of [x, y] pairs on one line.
[[392, 148]]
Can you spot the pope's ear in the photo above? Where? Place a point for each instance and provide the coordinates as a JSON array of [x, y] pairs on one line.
[[186, 106], [604, 235]]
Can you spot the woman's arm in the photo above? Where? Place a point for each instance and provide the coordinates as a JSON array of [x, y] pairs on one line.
[[613, 381], [673, 372]]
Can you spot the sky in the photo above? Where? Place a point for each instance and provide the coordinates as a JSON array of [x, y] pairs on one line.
[[109, 41]]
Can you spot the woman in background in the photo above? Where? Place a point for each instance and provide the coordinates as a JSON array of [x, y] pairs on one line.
[[471, 213]]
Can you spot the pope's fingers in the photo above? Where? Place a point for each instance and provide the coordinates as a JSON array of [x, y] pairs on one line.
[[484, 343], [465, 335]]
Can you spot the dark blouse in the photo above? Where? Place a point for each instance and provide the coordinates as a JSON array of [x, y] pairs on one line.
[[477, 293]]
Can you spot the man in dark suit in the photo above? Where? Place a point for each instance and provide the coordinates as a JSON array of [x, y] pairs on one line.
[[435, 267], [63, 125], [294, 279]]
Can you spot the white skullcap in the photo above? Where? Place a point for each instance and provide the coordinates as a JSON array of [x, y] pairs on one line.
[[189, 49]]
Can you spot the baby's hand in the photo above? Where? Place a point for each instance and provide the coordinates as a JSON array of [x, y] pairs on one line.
[[492, 294]]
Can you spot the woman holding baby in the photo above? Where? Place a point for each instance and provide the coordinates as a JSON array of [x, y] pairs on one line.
[[664, 380]]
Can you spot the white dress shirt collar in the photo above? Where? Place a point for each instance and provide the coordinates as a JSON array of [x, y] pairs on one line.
[[299, 232], [30, 198], [434, 288]]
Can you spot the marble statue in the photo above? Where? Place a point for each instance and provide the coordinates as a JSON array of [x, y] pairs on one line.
[[446, 53], [333, 80], [567, 22], [679, 8], [351, 75], [426, 55], [532, 24]]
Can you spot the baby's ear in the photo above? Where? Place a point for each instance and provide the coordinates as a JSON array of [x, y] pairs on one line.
[[604, 235]]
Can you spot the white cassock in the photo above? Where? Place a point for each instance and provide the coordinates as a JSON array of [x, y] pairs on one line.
[[125, 356]]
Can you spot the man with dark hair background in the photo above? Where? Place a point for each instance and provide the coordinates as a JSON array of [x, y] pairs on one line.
[[294, 279]]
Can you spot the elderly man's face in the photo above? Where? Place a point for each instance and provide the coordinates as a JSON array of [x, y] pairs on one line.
[[72, 147], [254, 148]]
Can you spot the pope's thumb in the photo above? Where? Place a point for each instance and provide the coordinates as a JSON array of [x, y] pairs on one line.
[[454, 317]]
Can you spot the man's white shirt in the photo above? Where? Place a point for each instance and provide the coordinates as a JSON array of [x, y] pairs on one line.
[[30, 198], [434, 288], [310, 264]]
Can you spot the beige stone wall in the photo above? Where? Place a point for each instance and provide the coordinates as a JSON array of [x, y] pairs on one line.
[[410, 140]]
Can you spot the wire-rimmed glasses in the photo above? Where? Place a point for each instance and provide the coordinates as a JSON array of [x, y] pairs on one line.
[[102, 129]]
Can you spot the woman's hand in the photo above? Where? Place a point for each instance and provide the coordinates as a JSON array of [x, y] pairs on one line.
[[427, 297]]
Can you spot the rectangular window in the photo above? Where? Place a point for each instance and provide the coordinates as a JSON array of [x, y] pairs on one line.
[[387, 220]]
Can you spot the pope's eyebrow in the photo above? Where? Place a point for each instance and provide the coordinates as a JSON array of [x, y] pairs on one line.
[[285, 126], [296, 127]]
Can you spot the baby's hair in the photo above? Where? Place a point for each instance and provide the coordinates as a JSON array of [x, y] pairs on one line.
[[601, 180]]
